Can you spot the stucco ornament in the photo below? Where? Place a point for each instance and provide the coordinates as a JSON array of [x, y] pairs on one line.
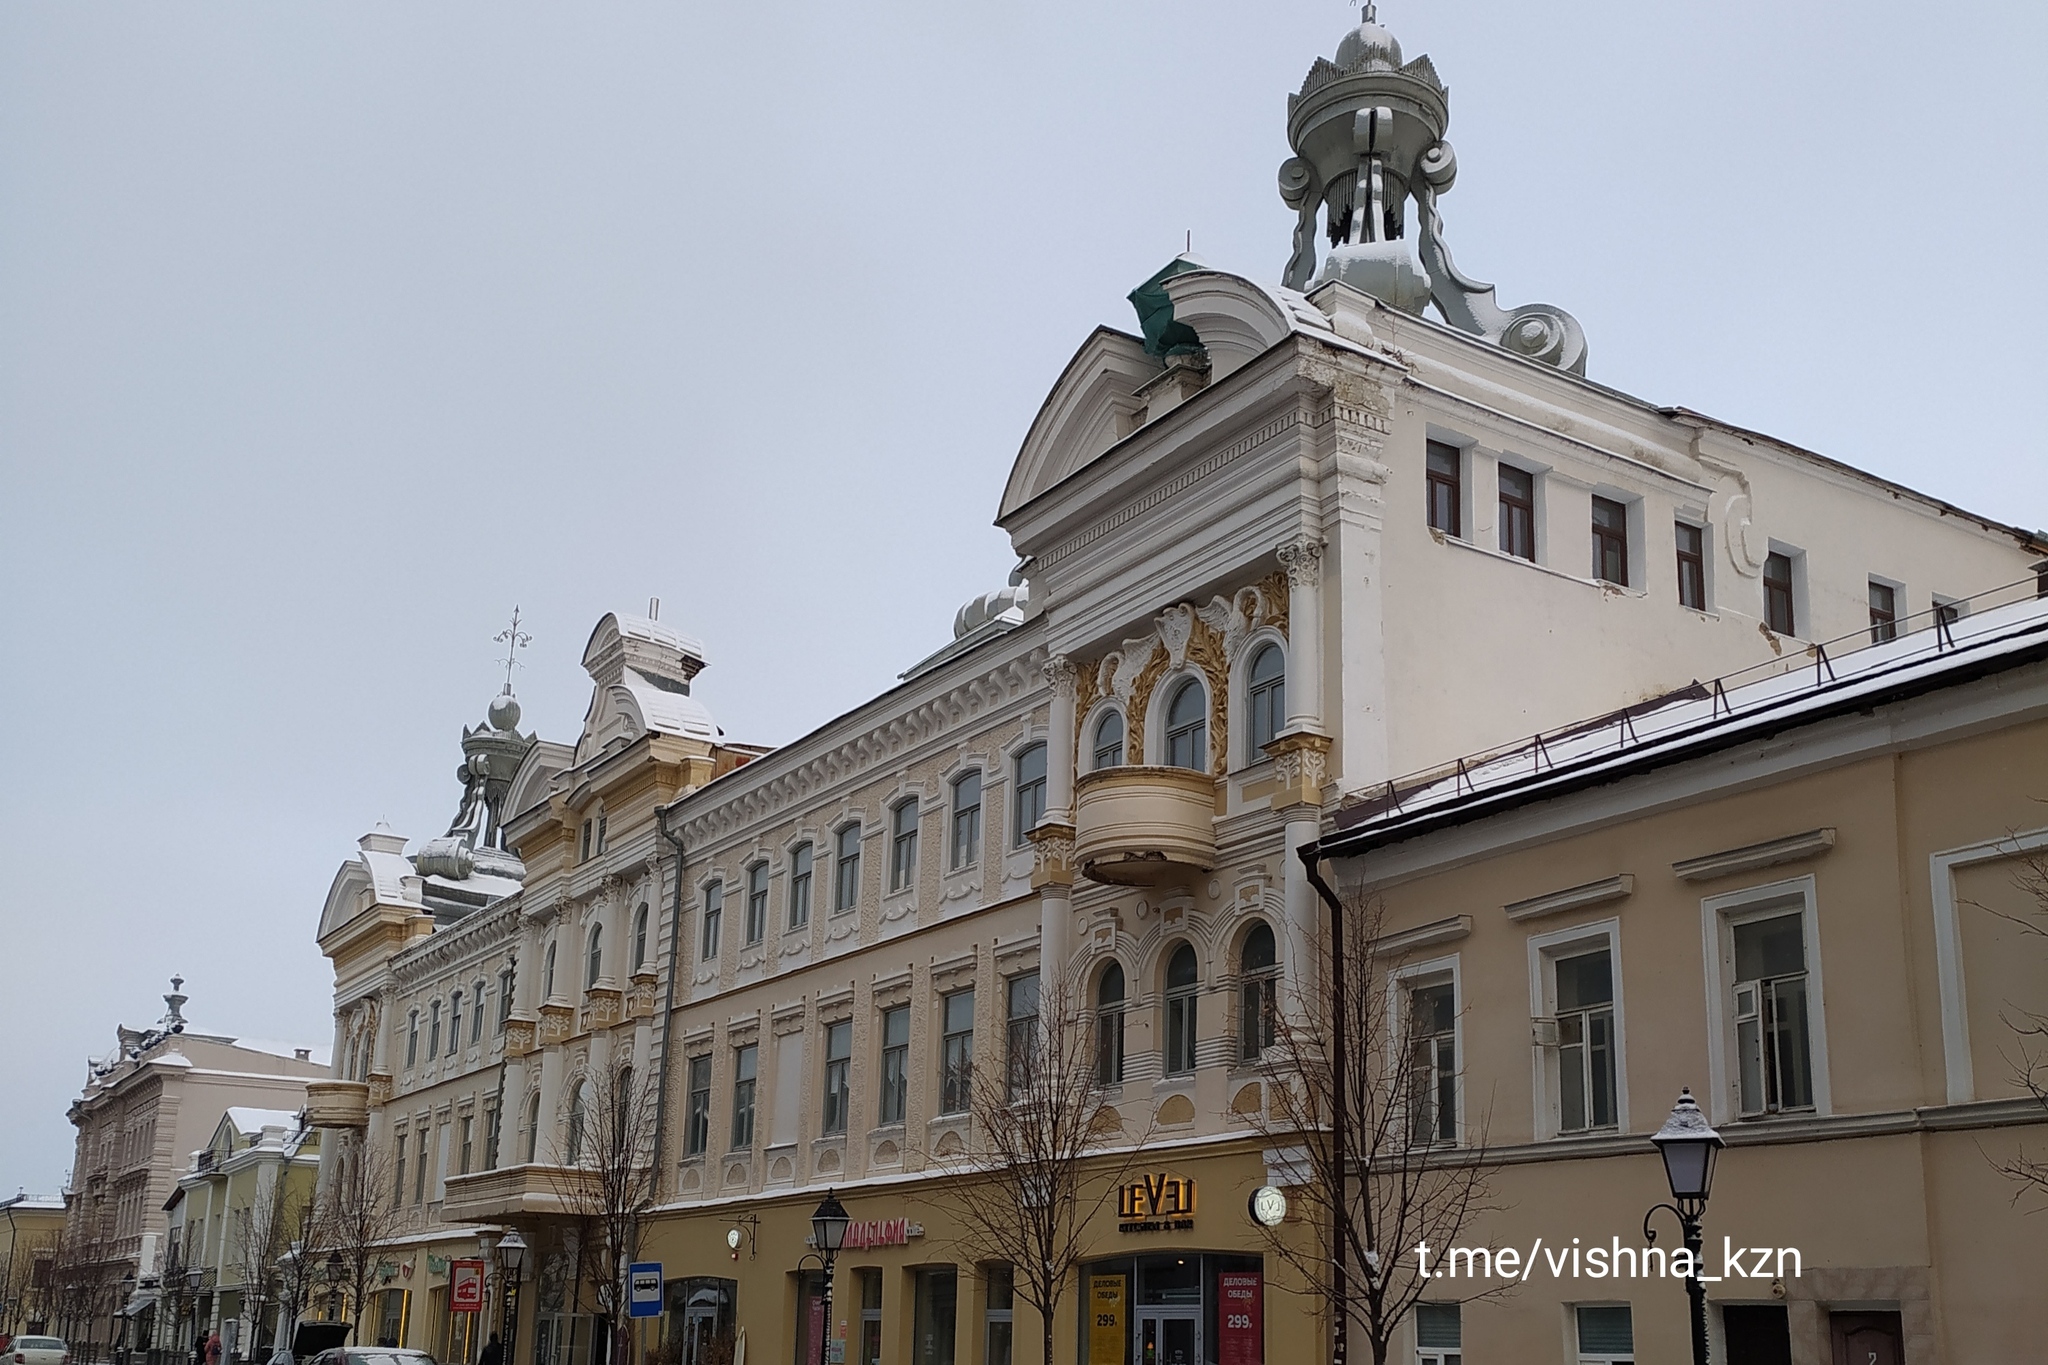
[[1367, 131]]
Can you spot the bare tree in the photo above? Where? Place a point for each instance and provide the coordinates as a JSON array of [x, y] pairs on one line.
[[271, 1244], [1046, 1152], [606, 1174], [1410, 1172], [2028, 1058], [358, 1213]]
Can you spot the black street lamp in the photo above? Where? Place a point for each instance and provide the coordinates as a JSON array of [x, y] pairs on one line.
[[512, 1255], [828, 1235], [1688, 1144]]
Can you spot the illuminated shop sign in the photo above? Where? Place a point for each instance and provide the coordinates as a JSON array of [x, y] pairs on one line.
[[1157, 1202]]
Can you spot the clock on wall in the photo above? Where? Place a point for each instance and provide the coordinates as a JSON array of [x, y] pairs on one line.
[[1268, 1206]]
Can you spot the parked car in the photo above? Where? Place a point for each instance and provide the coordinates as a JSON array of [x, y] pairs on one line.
[[369, 1355], [39, 1351]]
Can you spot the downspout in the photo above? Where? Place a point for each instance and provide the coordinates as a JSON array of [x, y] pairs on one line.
[[1340, 1135], [668, 1013]]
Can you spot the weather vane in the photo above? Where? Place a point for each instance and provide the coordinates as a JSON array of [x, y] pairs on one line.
[[512, 637]]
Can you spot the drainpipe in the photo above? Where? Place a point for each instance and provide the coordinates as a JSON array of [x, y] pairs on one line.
[[668, 1013], [1340, 1134]]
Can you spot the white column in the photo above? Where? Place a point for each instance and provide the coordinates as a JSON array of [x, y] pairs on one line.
[[1303, 560], [1059, 742], [1304, 915], [1055, 937]]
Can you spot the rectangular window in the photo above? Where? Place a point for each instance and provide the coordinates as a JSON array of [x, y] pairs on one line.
[[903, 845], [412, 1038], [934, 1308], [398, 1185], [1439, 1334], [419, 1172], [838, 1053], [462, 1159], [869, 1279], [757, 902], [1610, 541], [1606, 1335], [1021, 1044], [1585, 1042], [1001, 1316], [1884, 612], [1947, 613], [895, 1063], [1773, 1037], [1778, 594], [967, 820], [956, 1052], [697, 1130], [476, 1013], [1517, 512], [743, 1062], [1692, 565], [504, 998], [846, 871], [600, 832], [714, 921], [1109, 1038], [433, 1030], [1433, 1064], [800, 886], [583, 844], [1029, 807], [1444, 477], [454, 1023], [1182, 1013]]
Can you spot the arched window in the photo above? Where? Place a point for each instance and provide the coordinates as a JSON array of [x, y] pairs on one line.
[[1109, 1026], [1259, 980], [1187, 727], [547, 973], [1109, 740], [579, 1118], [640, 938], [532, 1128], [1183, 982], [1029, 807], [1265, 701], [594, 959], [454, 1022]]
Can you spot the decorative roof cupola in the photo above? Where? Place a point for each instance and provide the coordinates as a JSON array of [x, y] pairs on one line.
[[1367, 131]]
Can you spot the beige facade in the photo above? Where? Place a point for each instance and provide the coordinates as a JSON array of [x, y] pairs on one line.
[[1872, 834], [30, 1227]]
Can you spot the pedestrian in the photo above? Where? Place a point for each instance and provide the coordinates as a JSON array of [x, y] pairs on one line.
[[213, 1348], [199, 1349], [493, 1353]]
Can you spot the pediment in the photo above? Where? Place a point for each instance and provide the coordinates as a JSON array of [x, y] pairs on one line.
[[1088, 410], [1237, 320], [349, 895]]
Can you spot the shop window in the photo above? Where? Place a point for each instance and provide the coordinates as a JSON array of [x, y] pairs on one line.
[[999, 1317], [1760, 1332], [1183, 986], [1606, 1334], [1258, 973], [934, 1314], [869, 1280], [903, 845], [1029, 807], [1438, 1332], [1187, 727], [1109, 1026], [1265, 701], [800, 886], [895, 1064], [700, 1312], [697, 1130], [391, 1317], [1109, 738], [956, 1055]]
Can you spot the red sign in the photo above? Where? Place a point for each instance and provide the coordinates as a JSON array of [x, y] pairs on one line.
[[814, 1349], [466, 1286], [1240, 1318], [884, 1232]]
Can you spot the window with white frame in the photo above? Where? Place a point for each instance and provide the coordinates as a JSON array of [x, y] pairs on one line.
[[714, 921], [966, 820], [433, 1030], [1582, 986], [1265, 700], [956, 1052], [838, 1059], [757, 902], [800, 886], [547, 973], [1439, 1332], [1029, 806], [454, 1022], [697, 1126], [476, 1012], [640, 938], [593, 965], [1768, 1043], [1605, 1334], [1187, 726], [412, 1038], [1183, 997], [895, 1064], [846, 870], [1432, 1048], [744, 1060], [903, 845], [1108, 744], [1020, 1044]]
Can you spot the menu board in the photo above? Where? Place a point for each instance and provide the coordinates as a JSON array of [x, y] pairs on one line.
[[1240, 1318], [1108, 1331]]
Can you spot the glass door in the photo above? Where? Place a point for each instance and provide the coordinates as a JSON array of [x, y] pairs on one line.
[[1169, 1336]]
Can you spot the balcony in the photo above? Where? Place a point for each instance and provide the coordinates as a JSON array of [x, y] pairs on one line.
[[1142, 826], [518, 1191], [337, 1104]]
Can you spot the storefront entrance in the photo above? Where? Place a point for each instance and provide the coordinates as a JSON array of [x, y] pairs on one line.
[[1169, 1336]]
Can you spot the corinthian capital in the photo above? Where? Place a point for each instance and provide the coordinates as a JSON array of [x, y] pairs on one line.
[[1303, 560], [1061, 676]]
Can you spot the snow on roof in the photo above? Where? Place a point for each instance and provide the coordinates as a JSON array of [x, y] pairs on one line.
[[1807, 686], [252, 1122], [53, 1203], [321, 1054], [670, 712]]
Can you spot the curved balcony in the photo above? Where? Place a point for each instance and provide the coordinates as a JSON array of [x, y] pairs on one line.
[[337, 1104], [528, 1191], [1144, 826]]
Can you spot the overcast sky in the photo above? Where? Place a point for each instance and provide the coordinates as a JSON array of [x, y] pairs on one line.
[[330, 332]]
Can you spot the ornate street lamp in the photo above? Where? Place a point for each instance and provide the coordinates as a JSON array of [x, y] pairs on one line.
[[512, 1255], [828, 1235], [1688, 1144]]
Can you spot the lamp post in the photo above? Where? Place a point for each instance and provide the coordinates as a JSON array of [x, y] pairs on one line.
[[1688, 1145], [126, 1323], [512, 1255], [828, 1235]]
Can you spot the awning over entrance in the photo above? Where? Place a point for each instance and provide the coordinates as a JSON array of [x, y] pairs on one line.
[[144, 1298]]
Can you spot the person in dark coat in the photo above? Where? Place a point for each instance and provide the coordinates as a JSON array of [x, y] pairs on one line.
[[493, 1353]]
